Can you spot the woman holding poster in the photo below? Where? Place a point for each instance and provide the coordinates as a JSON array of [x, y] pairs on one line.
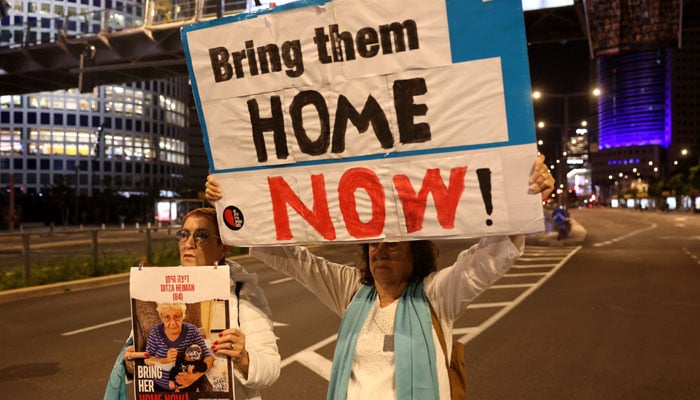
[[386, 334], [250, 343]]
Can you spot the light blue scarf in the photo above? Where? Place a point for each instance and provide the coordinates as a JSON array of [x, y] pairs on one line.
[[414, 354], [116, 385]]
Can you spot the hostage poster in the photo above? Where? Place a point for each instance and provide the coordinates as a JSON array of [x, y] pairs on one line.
[[359, 120], [176, 312]]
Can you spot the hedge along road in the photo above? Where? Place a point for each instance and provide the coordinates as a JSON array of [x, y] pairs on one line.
[[46, 246]]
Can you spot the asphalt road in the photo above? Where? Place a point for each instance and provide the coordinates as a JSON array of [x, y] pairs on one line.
[[619, 321], [616, 318]]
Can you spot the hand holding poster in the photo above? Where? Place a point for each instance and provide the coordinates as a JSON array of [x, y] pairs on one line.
[[175, 312], [357, 120]]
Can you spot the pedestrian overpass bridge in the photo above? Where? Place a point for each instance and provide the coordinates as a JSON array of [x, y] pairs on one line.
[[111, 46], [115, 46]]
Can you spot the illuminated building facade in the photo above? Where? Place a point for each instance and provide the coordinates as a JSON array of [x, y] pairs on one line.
[[129, 138], [637, 111], [635, 114], [649, 120], [652, 117]]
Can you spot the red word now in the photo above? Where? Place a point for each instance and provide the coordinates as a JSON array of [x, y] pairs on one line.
[[413, 203]]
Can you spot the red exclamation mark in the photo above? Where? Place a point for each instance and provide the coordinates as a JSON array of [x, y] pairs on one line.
[[484, 175]]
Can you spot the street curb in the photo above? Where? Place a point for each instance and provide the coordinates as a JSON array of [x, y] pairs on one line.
[[7, 296]]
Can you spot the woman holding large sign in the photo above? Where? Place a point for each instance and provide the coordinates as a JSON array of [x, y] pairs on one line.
[[386, 336]]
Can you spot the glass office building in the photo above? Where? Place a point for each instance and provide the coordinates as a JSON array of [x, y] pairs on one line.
[[123, 137], [129, 138]]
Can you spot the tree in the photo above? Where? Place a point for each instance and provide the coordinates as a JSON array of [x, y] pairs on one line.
[[59, 200], [694, 184], [656, 187], [678, 184]]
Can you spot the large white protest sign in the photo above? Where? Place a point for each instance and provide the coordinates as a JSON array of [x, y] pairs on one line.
[[357, 120]]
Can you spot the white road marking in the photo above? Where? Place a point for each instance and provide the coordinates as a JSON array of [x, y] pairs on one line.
[[92, 328], [548, 250], [316, 363], [533, 266], [538, 258], [487, 305], [617, 239], [295, 357], [515, 285], [464, 331], [514, 275], [511, 304], [691, 255], [696, 237]]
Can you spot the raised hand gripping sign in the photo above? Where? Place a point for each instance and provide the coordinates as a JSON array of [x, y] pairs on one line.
[[356, 120]]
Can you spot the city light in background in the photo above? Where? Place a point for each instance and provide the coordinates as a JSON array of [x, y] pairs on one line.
[[570, 148]]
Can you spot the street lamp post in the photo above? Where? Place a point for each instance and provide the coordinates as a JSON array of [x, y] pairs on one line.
[[565, 97], [77, 193], [11, 211]]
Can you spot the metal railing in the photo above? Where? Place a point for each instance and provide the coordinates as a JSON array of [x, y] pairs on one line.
[[38, 248]]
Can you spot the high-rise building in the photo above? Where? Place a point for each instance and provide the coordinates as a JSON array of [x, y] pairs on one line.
[[634, 112], [130, 138], [649, 121], [649, 125]]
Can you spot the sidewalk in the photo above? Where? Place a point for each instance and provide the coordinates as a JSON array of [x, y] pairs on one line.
[[576, 237], [7, 296]]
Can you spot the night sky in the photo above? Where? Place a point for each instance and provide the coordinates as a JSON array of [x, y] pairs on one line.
[[561, 68]]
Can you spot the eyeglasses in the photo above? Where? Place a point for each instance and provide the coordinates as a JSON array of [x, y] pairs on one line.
[[200, 236], [175, 318]]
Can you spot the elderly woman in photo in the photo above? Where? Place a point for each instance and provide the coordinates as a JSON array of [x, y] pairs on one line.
[[172, 337]]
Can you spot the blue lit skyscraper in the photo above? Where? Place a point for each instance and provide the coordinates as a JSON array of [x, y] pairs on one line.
[[647, 56], [636, 107], [635, 118]]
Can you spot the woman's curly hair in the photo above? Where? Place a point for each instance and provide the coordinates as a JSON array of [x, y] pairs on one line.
[[423, 252]]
